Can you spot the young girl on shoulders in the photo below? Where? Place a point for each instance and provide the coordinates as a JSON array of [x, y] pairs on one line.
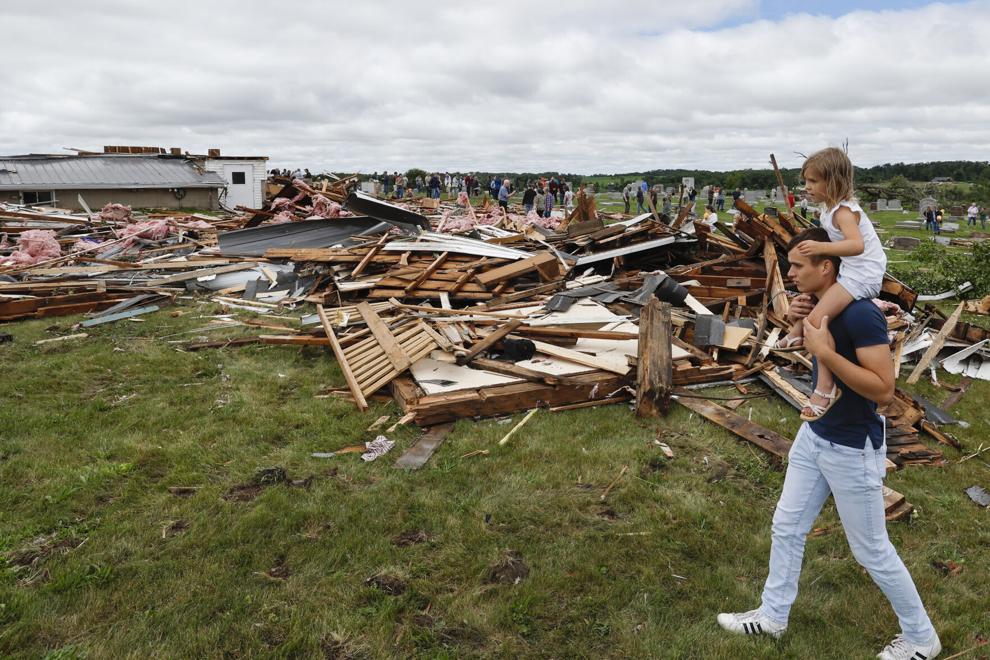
[[828, 176]]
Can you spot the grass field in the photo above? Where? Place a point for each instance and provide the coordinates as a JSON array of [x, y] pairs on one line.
[[507, 554]]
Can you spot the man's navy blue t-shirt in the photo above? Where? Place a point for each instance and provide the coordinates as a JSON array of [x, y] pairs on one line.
[[853, 418]]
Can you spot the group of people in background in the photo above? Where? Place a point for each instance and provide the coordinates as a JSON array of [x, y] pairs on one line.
[[934, 217], [541, 195]]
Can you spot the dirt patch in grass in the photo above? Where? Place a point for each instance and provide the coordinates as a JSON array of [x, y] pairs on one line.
[[510, 569], [174, 528], [243, 493], [263, 478], [280, 570], [411, 537], [338, 648], [387, 584], [41, 549], [607, 514]]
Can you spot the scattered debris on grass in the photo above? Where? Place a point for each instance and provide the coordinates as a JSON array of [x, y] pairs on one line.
[[389, 585], [411, 537], [509, 569], [457, 310]]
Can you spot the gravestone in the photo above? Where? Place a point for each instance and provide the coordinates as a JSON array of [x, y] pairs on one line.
[[925, 203], [369, 187], [881, 205], [950, 227], [894, 205], [957, 211], [904, 242], [770, 211], [752, 196], [873, 206]]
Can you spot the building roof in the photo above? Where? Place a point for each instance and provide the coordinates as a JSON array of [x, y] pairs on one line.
[[97, 172]]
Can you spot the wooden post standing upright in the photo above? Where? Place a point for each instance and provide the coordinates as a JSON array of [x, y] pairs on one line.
[[654, 369]]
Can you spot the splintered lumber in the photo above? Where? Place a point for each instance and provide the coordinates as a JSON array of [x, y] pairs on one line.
[[543, 262], [775, 283], [502, 399], [578, 357], [493, 338], [895, 506], [203, 272], [936, 346], [372, 253], [654, 369], [512, 369], [505, 439], [417, 455], [370, 364], [352, 383], [762, 437], [427, 272], [787, 391], [397, 356]]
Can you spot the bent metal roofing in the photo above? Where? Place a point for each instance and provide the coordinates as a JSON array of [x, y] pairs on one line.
[[104, 171]]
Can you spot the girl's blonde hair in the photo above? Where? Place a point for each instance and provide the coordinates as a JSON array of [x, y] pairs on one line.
[[832, 165]]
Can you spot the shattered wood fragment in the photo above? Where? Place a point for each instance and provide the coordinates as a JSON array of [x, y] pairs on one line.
[[417, 455], [763, 438], [654, 371], [936, 346]]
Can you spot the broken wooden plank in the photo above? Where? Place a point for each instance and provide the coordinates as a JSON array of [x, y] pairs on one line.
[[203, 272], [936, 345], [493, 338], [578, 357], [416, 456], [387, 341], [352, 383], [654, 370], [512, 369], [542, 261], [763, 438], [775, 283]]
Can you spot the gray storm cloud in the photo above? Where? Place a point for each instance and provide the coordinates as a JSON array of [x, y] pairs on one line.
[[586, 87]]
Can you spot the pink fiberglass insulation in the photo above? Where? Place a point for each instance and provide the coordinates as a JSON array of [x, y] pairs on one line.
[[115, 213], [280, 204], [153, 230], [325, 208], [4, 243], [85, 244], [196, 224], [34, 246], [547, 223], [281, 218], [457, 223]]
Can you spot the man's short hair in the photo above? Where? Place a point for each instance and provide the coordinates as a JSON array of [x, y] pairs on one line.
[[815, 234]]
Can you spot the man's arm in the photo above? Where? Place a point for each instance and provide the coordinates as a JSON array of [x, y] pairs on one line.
[[872, 378]]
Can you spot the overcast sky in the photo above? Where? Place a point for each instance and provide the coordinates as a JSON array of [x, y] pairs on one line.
[[580, 86]]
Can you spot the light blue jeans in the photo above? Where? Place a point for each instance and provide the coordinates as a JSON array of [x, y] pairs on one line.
[[854, 477]]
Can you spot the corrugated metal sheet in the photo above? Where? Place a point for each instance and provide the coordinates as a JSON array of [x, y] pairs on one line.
[[99, 172]]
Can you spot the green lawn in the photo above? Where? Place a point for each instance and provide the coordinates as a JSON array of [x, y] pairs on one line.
[[509, 554]]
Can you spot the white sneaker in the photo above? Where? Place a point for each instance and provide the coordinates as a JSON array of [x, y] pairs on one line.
[[901, 649], [751, 623]]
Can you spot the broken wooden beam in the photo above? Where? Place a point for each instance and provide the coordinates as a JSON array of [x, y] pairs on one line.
[[654, 369]]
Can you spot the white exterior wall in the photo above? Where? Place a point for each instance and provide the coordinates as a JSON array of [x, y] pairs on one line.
[[256, 177]]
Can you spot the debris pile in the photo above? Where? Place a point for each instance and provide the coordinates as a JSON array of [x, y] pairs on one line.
[[457, 312]]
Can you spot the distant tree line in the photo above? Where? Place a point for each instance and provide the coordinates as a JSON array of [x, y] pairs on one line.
[[977, 172]]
